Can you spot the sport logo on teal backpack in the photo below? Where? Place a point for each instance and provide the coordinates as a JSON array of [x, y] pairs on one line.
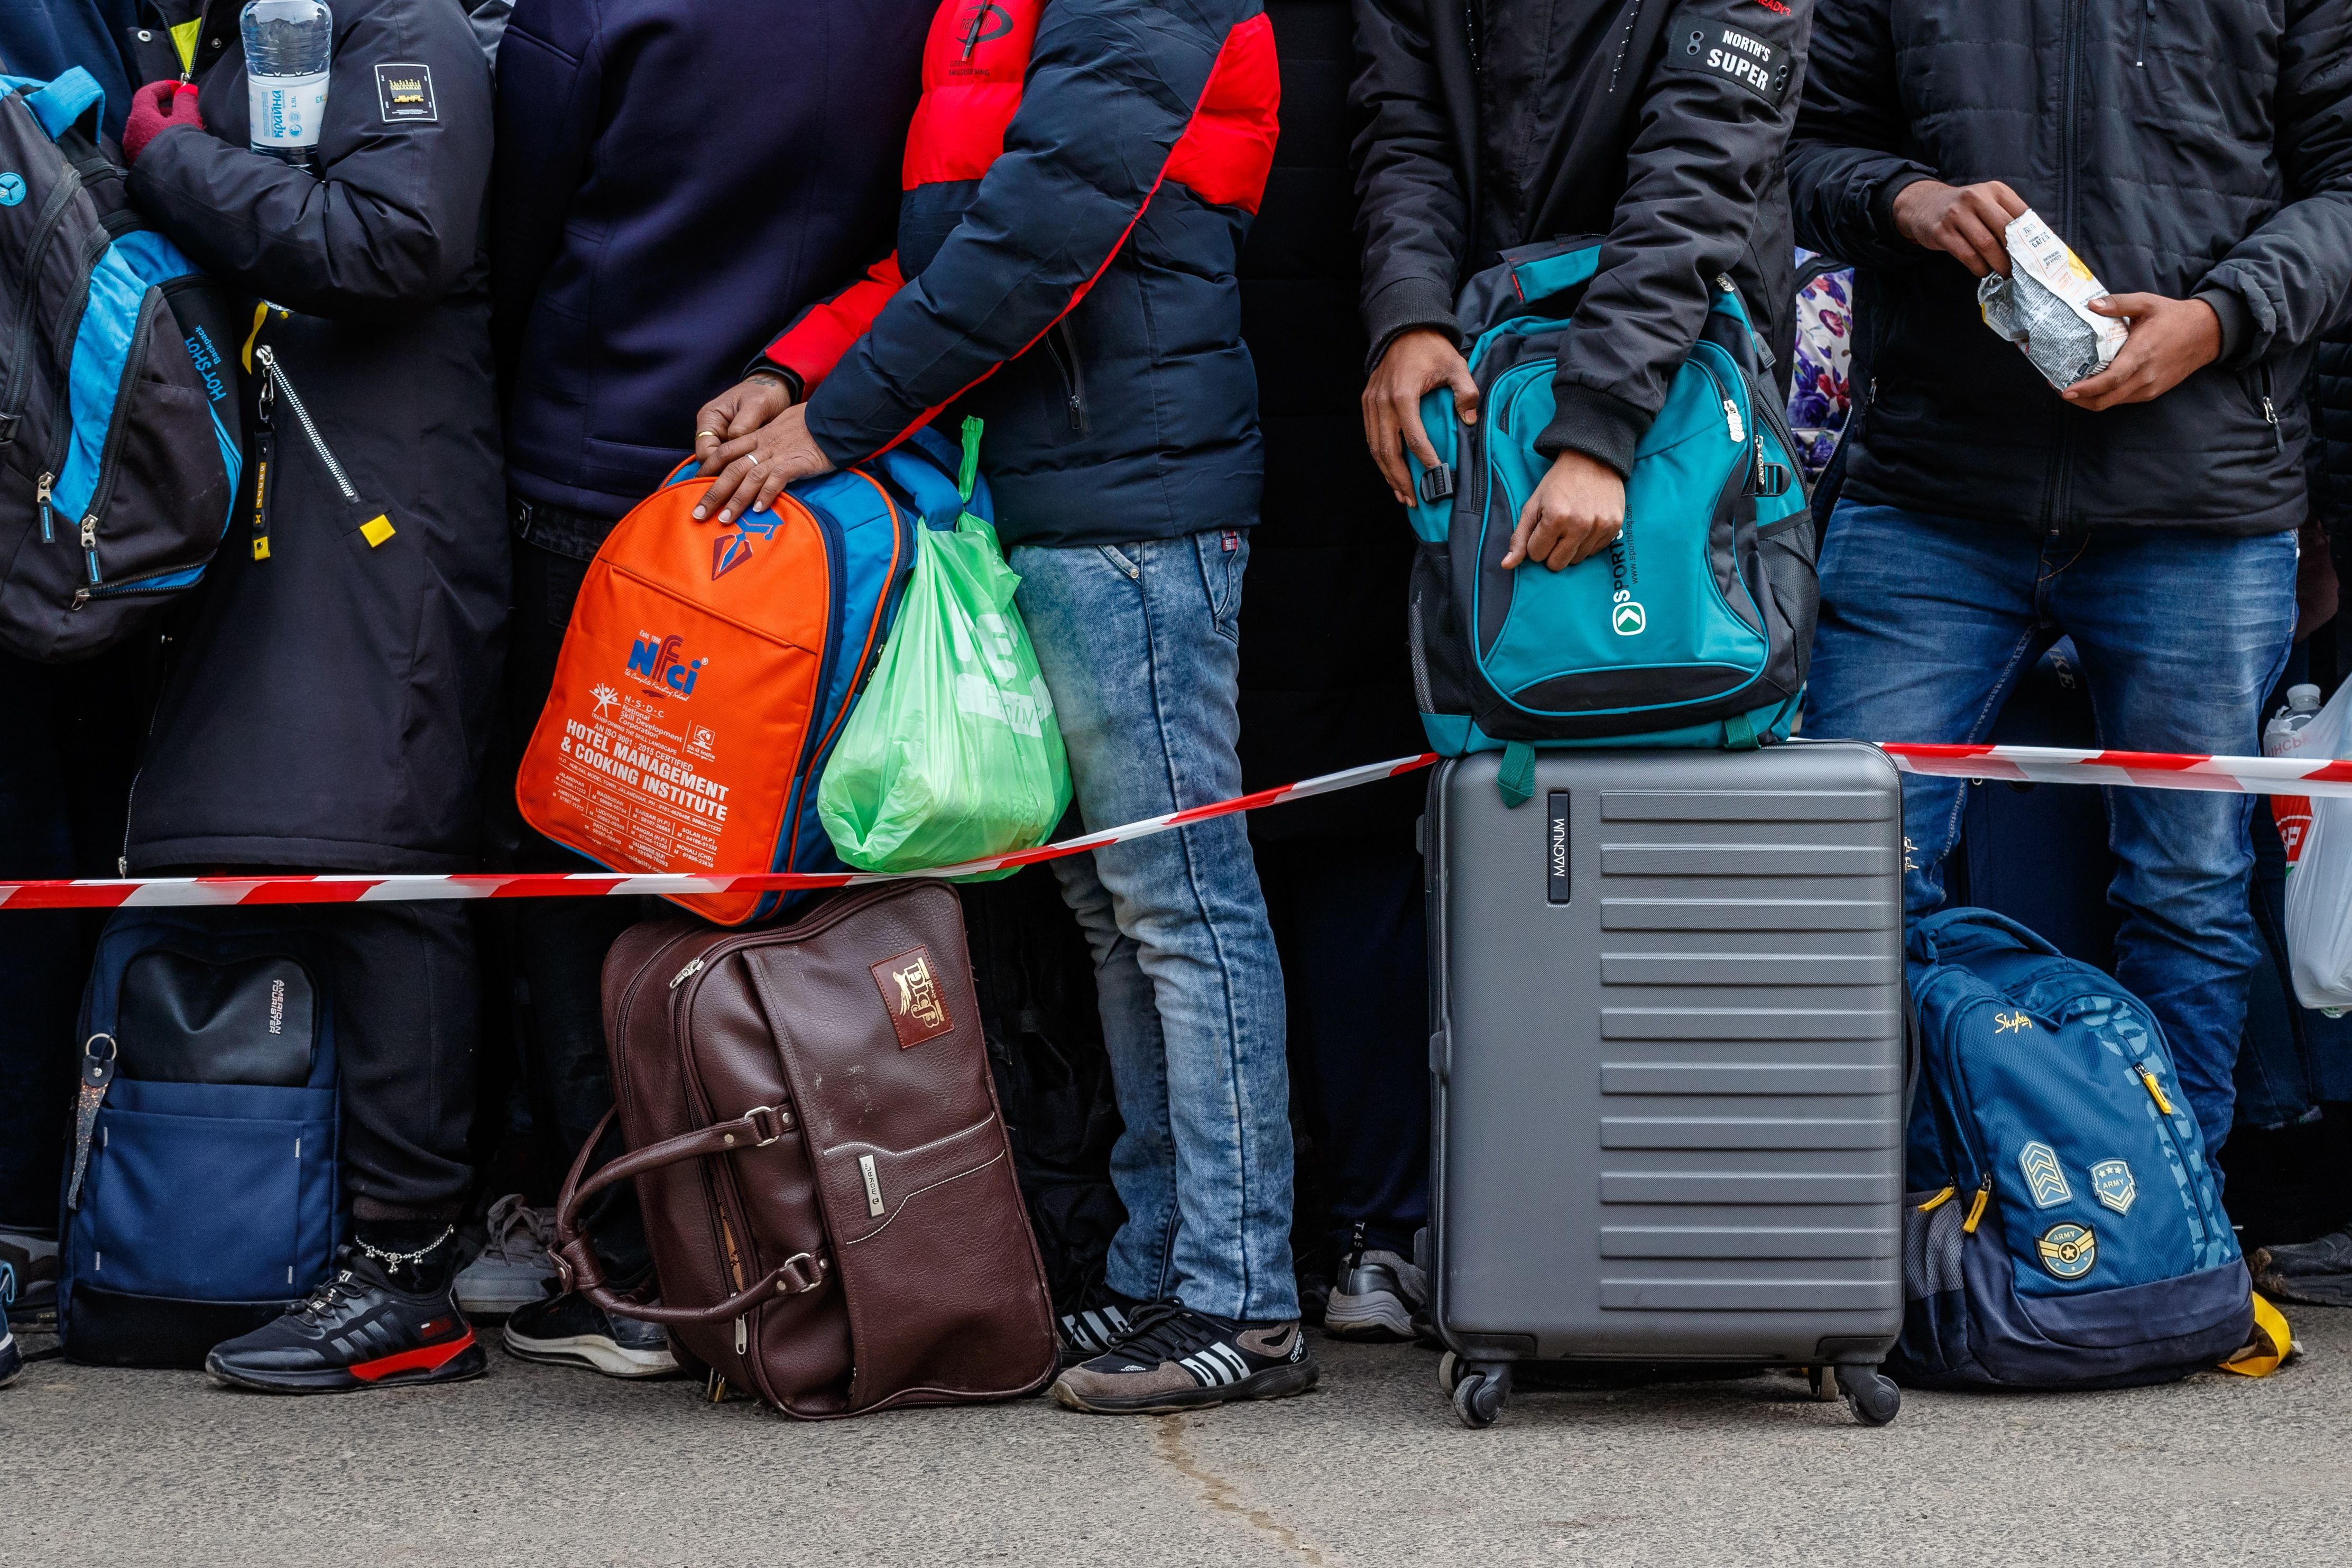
[[2062, 1227], [1691, 630]]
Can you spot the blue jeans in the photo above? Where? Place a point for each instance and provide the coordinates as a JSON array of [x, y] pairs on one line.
[[1928, 621], [1139, 646]]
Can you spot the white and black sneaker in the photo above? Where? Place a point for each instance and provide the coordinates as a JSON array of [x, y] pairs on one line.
[[1087, 1332], [569, 1329], [1379, 1296], [1177, 1359]]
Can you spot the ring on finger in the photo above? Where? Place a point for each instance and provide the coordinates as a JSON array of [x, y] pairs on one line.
[[712, 434], [754, 456]]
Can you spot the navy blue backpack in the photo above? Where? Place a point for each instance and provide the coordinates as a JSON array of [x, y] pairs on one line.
[[2062, 1228], [201, 1193]]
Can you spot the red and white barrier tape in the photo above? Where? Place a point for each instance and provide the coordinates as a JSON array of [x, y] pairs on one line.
[[159, 891], [2017, 764], [2140, 770]]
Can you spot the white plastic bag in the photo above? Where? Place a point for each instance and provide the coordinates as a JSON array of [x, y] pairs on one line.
[[2319, 886]]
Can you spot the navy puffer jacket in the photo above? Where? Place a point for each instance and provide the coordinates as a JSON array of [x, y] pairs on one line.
[[1080, 178]]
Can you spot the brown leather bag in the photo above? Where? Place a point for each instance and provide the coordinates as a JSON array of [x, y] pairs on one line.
[[818, 1152]]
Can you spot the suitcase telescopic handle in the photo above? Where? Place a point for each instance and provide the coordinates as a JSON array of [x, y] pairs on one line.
[[575, 1254]]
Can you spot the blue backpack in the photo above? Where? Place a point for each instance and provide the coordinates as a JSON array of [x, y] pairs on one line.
[[1693, 629], [119, 432], [2062, 1227], [202, 1192]]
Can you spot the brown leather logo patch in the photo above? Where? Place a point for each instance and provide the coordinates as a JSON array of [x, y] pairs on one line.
[[909, 984]]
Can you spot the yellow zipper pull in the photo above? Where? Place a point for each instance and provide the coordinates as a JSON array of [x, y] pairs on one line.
[[1939, 1201], [2155, 1090], [1976, 1209]]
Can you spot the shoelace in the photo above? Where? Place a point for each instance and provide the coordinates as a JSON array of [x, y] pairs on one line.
[[1167, 1331], [328, 1296], [519, 1232]]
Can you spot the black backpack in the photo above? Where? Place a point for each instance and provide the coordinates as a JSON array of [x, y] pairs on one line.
[[120, 445]]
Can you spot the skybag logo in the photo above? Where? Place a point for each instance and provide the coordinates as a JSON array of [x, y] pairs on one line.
[[662, 661]]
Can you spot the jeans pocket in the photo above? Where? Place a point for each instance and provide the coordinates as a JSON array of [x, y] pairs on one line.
[[1223, 554], [1126, 564]]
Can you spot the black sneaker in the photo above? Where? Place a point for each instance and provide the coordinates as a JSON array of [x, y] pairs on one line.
[[12, 1360], [357, 1330], [567, 1329], [2314, 1273], [1176, 1359], [28, 1277], [1087, 1332]]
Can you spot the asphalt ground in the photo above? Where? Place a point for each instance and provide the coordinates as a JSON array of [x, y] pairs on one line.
[[536, 1464]]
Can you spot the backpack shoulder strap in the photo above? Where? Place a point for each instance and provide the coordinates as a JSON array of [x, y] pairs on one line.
[[65, 100]]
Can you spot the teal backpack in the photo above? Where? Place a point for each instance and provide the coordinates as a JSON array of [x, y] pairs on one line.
[[1692, 630]]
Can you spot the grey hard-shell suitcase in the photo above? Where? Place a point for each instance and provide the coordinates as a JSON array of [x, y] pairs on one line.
[[1668, 1054]]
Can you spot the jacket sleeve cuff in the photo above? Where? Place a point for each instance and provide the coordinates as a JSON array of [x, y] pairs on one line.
[[1403, 305], [1598, 424], [1881, 202], [2237, 320], [762, 365]]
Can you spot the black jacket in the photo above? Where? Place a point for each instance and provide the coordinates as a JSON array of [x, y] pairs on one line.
[[674, 178], [2331, 435], [1326, 682], [1655, 124], [2185, 150], [332, 703]]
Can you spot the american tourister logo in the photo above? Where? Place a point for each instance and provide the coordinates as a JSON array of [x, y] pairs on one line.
[[661, 661]]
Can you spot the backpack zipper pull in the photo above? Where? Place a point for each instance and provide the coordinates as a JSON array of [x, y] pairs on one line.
[[1731, 417], [683, 976], [89, 531], [2155, 1090], [1976, 1209], [41, 498]]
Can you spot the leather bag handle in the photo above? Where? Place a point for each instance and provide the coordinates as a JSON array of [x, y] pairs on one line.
[[575, 1254]]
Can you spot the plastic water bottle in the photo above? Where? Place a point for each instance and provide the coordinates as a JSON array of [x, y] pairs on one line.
[[288, 44], [2284, 737]]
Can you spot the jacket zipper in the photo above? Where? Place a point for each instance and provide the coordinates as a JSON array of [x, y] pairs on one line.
[[2269, 410], [2139, 55], [1065, 350], [302, 416]]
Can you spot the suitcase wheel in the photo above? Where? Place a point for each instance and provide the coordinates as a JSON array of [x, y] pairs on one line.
[[1479, 1392], [1449, 1372], [1871, 1395], [1823, 1381]]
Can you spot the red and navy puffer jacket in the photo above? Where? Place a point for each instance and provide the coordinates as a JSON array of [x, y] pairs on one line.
[[1079, 177]]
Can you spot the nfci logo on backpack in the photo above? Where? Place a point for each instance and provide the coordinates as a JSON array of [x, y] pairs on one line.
[[661, 661]]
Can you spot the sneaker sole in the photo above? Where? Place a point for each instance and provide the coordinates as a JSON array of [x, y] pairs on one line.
[[1274, 1383], [590, 1351], [1377, 1315], [408, 1369]]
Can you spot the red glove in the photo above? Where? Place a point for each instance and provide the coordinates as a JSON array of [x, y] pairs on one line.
[[154, 108]]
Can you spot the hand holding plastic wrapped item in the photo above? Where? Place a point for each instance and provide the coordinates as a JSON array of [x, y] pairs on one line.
[[2044, 306]]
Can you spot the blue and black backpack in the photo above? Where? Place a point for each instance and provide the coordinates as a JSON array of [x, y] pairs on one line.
[[1693, 629], [201, 1194], [119, 432], [2062, 1227]]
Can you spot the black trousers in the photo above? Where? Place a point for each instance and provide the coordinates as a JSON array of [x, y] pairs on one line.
[[1349, 918], [560, 944]]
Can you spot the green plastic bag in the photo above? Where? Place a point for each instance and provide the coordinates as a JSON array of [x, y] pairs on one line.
[[953, 754]]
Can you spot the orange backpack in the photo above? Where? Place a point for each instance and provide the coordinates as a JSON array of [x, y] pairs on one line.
[[708, 668]]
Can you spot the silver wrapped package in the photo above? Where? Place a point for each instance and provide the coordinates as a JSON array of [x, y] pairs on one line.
[[2041, 306]]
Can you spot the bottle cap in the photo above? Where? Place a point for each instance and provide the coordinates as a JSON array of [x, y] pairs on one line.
[[2303, 698]]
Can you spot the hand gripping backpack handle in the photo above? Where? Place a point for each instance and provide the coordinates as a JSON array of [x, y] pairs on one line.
[[575, 1254]]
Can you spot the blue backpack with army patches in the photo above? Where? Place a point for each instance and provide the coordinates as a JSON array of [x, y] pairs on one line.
[[2062, 1227], [1693, 629]]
